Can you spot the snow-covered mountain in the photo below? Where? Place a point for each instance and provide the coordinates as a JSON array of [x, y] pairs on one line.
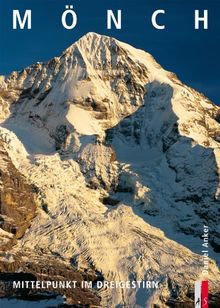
[[125, 164]]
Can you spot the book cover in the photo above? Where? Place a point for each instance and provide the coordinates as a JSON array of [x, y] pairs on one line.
[[109, 153]]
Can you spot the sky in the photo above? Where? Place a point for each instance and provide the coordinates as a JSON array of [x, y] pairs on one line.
[[192, 54]]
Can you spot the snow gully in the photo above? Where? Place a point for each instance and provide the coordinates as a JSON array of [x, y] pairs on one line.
[[69, 19]]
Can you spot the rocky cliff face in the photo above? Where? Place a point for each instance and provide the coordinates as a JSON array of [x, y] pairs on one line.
[[25, 266], [17, 201], [125, 163]]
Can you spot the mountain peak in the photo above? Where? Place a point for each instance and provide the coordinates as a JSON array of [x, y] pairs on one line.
[[101, 52], [93, 36], [93, 44], [90, 38]]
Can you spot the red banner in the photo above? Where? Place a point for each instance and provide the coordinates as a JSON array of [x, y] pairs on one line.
[[205, 294]]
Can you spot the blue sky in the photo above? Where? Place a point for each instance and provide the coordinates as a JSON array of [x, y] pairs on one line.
[[193, 55]]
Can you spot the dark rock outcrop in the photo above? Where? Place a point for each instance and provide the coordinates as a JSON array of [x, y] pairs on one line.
[[17, 198], [44, 267]]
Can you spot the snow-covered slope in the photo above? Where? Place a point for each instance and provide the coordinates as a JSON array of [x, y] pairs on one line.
[[126, 161]]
